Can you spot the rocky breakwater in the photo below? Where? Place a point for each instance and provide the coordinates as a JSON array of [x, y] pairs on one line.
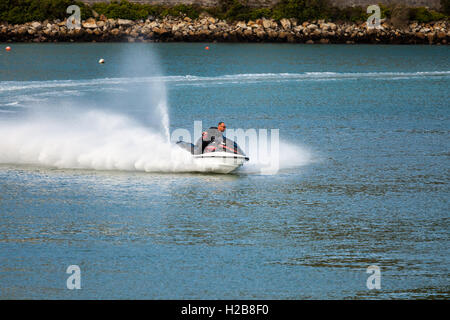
[[208, 29]]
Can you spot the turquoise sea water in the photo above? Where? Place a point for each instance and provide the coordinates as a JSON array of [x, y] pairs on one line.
[[85, 176]]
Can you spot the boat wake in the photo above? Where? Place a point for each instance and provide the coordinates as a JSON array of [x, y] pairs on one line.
[[190, 80], [18, 96]]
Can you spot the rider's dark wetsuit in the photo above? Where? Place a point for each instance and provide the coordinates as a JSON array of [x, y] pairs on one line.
[[208, 136]]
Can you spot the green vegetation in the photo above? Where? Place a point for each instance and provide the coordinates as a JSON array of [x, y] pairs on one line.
[[21, 11], [424, 15], [302, 10], [135, 11], [445, 7], [124, 10]]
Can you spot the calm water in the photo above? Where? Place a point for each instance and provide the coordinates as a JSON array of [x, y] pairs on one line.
[[370, 123]]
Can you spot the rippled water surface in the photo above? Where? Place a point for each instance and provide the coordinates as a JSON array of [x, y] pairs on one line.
[[86, 177]]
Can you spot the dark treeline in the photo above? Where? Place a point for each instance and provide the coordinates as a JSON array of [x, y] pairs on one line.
[[21, 11]]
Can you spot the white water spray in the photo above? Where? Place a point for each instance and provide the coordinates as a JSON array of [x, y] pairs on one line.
[[91, 140], [100, 141]]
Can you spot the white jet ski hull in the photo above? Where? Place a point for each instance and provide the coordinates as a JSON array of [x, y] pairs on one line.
[[219, 162]]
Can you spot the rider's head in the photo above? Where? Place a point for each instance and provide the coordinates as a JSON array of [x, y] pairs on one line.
[[221, 126]]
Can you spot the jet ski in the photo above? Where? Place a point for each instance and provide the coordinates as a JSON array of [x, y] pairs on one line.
[[215, 153]]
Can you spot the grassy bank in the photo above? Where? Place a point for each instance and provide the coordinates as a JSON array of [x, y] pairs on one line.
[[21, 11]]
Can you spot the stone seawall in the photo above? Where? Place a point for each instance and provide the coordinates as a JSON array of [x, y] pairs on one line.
[[209, 29]]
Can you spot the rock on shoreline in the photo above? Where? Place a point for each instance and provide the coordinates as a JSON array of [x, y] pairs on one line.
[[208, 29]]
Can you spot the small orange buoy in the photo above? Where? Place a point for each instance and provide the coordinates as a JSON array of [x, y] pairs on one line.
[[206, 48], [8, 48]]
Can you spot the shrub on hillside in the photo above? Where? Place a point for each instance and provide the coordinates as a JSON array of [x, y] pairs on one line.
[[424, 15], [301, 10]]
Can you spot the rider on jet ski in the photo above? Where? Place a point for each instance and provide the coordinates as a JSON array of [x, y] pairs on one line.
[[212, 140], [211, 135]]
